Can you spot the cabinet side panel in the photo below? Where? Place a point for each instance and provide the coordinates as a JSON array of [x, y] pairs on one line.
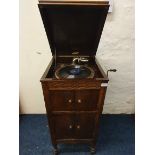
[[100, 108], [46, 94]]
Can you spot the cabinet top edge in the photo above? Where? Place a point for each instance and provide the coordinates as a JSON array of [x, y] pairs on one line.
[[74, 2], [104, 80]]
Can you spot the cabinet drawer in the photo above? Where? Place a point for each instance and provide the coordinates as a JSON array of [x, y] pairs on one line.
[[86, 100], [63, 126], [61, 100]]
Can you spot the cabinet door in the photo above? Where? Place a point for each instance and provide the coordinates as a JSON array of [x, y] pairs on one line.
[[63, 126], [85, 126], [61, 100], [86, 100]]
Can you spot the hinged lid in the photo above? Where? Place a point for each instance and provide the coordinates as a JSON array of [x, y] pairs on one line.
[[73, 27]]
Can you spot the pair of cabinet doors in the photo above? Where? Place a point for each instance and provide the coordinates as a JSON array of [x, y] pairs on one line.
[[77, 111], [73, 126], [73, 100]]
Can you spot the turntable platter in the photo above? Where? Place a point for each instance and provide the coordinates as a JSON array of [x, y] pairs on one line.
[[74, 71]]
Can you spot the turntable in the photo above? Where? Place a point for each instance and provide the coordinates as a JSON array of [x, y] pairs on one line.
[[74, 71], [74, 84]]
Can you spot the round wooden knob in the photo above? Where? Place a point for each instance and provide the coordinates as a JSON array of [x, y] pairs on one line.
[[79, 100], [70, 126], [78, 126], [70, 101]]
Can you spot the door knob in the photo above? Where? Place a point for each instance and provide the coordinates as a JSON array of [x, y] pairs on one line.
[[70, 101], [79, 100], [78, 126], [70, 126]]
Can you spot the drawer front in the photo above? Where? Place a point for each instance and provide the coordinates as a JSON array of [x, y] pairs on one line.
[[86, 100], [61, 100], [85, 126], [63, 126]]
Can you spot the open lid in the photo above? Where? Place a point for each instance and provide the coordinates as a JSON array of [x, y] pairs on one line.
[[73, 27]]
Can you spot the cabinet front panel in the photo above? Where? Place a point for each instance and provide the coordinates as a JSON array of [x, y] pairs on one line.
[[86, 100], [61, 100], [63, 126], [85, 126]]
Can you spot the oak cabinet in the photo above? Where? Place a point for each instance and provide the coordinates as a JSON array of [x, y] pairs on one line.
[[74, 84]]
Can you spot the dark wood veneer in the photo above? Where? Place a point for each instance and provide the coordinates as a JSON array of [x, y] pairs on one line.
[[73, 106], [73, 109]]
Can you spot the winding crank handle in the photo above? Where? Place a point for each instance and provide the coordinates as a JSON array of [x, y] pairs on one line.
[[111, 70]]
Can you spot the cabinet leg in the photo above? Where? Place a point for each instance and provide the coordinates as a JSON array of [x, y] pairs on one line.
[[93, 148], [55, 150]]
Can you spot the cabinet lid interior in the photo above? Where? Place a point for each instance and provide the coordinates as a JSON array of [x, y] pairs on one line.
[[73, 27]]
